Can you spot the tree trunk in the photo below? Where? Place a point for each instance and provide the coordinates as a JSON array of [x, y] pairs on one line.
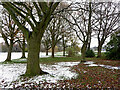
[[63, 46], [64, 51], [46, 52], [99, 51], [23, 48], [53, 48], [83, 50], [89, 25], [88, 48], [100, 44], [9, 52], [33, 67]]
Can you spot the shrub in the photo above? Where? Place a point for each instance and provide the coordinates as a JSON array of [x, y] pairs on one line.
[[113, 47], [89, 53], [70, 52]]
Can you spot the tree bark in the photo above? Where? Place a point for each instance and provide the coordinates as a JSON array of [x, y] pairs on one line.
[[99, 51], [83, 50], [53, 48], [63, 51], [46, 52], [89, 25], [89, 42], [23, 48], [33, 67], [100, 44], [63, 46], [9, 52]]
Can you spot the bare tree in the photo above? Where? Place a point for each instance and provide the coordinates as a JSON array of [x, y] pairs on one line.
[[46, 41], [22, 43], [80, 21], [106, 19], [9, 32], [56, 29]]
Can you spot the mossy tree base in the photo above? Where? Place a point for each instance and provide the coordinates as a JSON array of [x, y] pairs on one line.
[[7, 60]]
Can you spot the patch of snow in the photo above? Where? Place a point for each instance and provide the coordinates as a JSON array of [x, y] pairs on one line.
[[84, 71], [22, 59], [10, 73], [68, 63], [16, 55], [109, 67], [91, 63]]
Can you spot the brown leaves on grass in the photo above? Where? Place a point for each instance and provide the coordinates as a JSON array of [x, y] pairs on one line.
[[95, 77]]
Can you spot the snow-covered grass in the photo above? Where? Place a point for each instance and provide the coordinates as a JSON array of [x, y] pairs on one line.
[[10, 73]]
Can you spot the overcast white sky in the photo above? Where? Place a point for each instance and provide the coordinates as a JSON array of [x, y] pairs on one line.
[[94, 42]]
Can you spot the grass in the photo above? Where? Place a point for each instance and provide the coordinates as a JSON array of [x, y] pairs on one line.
[[50, 60]]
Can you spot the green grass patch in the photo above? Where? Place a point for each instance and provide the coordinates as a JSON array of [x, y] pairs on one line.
[[19, 60], [50, 60]]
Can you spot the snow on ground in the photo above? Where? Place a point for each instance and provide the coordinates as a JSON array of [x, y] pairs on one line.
[[91, 63], [10, 73], [17, 55]]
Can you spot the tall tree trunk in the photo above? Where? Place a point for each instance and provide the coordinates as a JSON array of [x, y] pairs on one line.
[[89, 43], [53, 46], [89, 25], [83, 50], [53, 50], [46, 52], [64, 51], [33, 67], [99, 51], [9, 52], [100, 44], [23, 48], [63, 46]]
